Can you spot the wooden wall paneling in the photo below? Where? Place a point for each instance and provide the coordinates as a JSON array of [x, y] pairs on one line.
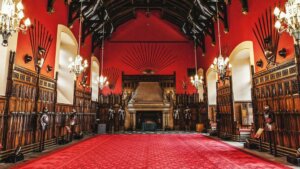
[[7, 100], [279, 88], [225, 117], [296, 129]]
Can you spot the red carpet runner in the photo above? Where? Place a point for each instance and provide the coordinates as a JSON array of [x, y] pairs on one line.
[[150, 151]]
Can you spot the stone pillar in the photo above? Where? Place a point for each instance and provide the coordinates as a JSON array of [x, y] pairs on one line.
[[133, 120], [171, 119], [165, 120]]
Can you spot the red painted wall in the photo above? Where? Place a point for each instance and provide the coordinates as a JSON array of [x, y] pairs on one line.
[[240, 30], [156, 32], [36, 9], [146, 37]]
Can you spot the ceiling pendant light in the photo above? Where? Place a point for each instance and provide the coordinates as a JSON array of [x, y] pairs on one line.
[[102, 80], [196, 81], [220, 65], [10, 19], [78, 66]]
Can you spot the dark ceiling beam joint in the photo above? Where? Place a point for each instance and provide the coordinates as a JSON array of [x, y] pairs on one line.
[[245, 9]]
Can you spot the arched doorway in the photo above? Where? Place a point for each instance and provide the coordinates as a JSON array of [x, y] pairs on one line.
[[211, 79], [241, 59], [66, 48], [95, 68]]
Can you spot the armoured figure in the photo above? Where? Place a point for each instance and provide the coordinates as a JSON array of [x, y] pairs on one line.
[[187, 113], [176, 113], [269, 128], [44, 120], [187, 117], [268, 119], [111, 113], [73, 118], [121, 113]]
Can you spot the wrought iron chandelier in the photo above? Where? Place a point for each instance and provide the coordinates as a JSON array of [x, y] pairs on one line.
[[78, 66], [290, 19], [102, 80], [220, 64], [195, 80], [10, 19]]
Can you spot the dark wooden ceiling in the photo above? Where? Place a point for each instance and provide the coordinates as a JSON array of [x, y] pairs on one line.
[[195, 18]]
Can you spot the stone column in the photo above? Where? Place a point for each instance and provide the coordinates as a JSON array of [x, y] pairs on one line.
[[133, 120], [165, 119]]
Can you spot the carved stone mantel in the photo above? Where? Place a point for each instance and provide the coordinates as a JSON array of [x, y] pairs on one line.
[[148, 97]]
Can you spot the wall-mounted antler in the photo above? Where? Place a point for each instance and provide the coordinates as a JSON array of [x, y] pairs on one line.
[[267, 36], [40, 41]]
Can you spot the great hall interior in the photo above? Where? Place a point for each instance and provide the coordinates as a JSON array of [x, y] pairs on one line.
[[150, 84]]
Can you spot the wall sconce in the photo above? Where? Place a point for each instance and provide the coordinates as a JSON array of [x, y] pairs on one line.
[[260, 63], [282, 52], [244, 6], [27, 58], [49, 68]]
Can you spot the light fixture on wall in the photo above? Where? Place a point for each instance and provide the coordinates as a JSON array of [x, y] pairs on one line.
[[49, 68], [27, 58], [78, 66], [102, 80], [10, 19], [260, 63], [282, 52], [196, 80], [290, 20], [220, 64]]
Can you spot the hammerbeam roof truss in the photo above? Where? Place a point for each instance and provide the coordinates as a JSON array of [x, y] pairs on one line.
[[195, 18]]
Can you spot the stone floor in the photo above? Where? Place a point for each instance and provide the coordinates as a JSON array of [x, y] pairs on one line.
[[265, 155]]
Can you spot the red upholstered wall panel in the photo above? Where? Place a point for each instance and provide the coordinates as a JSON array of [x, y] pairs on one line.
[[240, 30]]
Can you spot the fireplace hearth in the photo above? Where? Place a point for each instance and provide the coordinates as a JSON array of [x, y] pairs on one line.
[[149, 120]]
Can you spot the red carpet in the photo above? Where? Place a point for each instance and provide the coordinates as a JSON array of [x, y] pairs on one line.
[[150, 151]]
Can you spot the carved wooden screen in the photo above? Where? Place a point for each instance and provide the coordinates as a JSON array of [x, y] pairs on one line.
[[22, 125], [279, 88], [225, 116], [19, 125]]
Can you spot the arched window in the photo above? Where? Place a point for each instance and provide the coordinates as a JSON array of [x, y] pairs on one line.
[[241, 60], [66, 48], [211, 79], [94, 75]]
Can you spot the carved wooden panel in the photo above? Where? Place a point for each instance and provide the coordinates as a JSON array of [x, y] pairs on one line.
[[24, 91], [83, 101], [131, 81], [225, 123], [281, 93]]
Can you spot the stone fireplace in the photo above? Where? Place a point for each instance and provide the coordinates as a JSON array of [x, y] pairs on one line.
[[148, 105]]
